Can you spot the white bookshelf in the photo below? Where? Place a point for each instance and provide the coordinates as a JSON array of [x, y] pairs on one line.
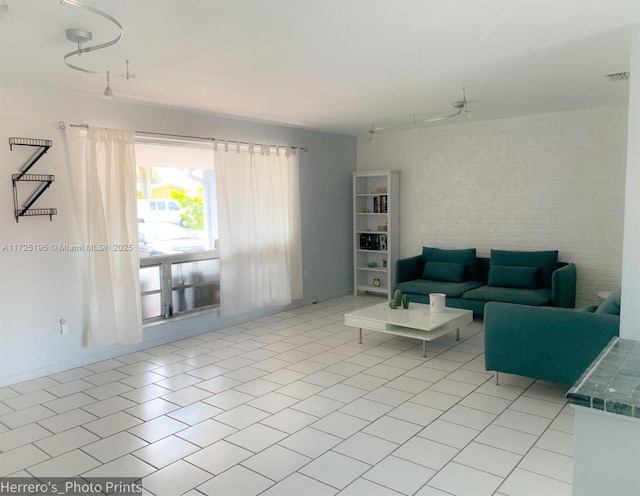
[[376, 230]]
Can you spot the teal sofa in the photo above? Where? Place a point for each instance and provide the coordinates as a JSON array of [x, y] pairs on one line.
[[552, 344], [470, 282]]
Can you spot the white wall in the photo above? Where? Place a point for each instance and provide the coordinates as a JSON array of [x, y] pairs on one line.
[[630, 315], [552, 181], [38, 288]]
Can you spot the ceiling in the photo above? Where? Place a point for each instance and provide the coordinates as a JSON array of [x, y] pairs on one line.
[[334, 65]]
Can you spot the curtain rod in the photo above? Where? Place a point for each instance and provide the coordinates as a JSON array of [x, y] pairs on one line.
[[63, 125]]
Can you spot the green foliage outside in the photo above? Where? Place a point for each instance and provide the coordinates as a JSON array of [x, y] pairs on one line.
[[192, 208]]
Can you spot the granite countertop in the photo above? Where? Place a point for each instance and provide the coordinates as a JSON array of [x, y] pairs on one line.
[[612, 382]]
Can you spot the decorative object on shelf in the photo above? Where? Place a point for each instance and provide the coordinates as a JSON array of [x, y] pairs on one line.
[[376, 282], [405, 301], [383, 242], [372, 264], [459, 105], [45, 180], [437, 302], [80, 36], [384, 263]]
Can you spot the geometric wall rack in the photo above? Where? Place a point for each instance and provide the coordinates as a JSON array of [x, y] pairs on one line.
[[44, 180]]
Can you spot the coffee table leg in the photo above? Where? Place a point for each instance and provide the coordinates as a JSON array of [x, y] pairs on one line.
[[458, 334], [424, 349], [360, 341]]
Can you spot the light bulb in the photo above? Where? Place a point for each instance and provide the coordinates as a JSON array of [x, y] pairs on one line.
[[108, 92]]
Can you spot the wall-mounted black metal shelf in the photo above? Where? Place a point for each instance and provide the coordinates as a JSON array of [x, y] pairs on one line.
[[45, 180]]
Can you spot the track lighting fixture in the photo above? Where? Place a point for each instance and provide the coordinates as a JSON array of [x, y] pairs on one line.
[[108, 92]]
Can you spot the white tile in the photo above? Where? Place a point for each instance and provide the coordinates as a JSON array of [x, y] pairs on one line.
[[137, 368], [257, 387], [241, 416], [324, 378], [146, 393], [515, 380], [306, 367], [283, 376], [412, 412], [488, 459], [166, 451], [127, 466], [218, 384], [400, 475], [365, 381], [486, 403], [106, 426], [540, 392], [432, 491], [34, 385], [166, 359], [66, 441], [340, 424], [447, 433], [105, 377], [229, 399], [346, 369], [404, 362], [22, 435], [300, 389], [391, 429], [156, 429], [408, 384], [152, 409], [366, 409], [104, 365], [556, 441], [174, 479], [108, 406], [388, 396], [173, 369], [468, 417], [68, 465], [507, 439], [186, 396], [454, 388], [70, 387], [235, 363], [361, 487], [328, 358], [70, 402], [208, 371], [310, 442], [141, 379], [276, 462], [206, 433], [26, 416], [68, 376], [237, 481], [66, 420], [195, 413], [289, 420], [504, 391], [317, 405], [465, 481], [564, 423], [335, 469], [434, 399], [343, 393], [538, 407], [439, 363], [297, 484], [256, 437], [218, 457], [273, 402], [385, 371], [114, 446], [525, 483], [177, 382], [524, 422], [426, 374], [20, 458], [549, 464], [425, 452], [366, 448]]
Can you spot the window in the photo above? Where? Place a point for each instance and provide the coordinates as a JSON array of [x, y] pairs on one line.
[[177, 228]]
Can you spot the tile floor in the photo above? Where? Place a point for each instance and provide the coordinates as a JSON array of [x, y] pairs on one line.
[[291, 404]]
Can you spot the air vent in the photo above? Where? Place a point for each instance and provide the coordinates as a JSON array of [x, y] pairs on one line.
[[618, 76]]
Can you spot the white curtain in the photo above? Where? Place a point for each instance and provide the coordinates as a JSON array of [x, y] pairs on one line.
[[102, 173], [259, 225]]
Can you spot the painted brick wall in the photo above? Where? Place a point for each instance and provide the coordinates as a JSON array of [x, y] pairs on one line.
[[552, 181]]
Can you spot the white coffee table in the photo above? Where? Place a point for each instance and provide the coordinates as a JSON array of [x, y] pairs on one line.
[[417, 321]]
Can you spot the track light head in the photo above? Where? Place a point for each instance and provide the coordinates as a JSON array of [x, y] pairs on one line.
[[108, 92]]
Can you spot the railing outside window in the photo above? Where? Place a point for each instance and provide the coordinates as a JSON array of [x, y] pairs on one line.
[[178, 284]]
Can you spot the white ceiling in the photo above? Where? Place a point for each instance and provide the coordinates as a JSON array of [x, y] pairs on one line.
[[335, 65]]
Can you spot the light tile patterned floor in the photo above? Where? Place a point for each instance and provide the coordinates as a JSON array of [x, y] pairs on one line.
[[291, 404]]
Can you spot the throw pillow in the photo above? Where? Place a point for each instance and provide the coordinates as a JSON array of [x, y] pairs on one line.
[[507, 276], [443, 271], [546, 260], [466, 257], [611, 305]]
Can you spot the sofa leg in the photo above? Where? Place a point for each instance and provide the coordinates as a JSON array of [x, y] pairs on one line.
[[360, 338], [497, 383], [458, 334]]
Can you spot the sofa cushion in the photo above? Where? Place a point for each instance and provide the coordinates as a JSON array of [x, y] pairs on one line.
[[547, 261], [611, 305], [587, 309], [510, 295], [466, 256], [451, 289], [443, 271], [512, 276]]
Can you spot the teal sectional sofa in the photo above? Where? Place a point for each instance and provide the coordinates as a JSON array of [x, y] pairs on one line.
[[470, 282], [552, 344]]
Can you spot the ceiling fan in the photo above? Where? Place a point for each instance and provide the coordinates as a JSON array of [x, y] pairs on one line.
[[459, 105]]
